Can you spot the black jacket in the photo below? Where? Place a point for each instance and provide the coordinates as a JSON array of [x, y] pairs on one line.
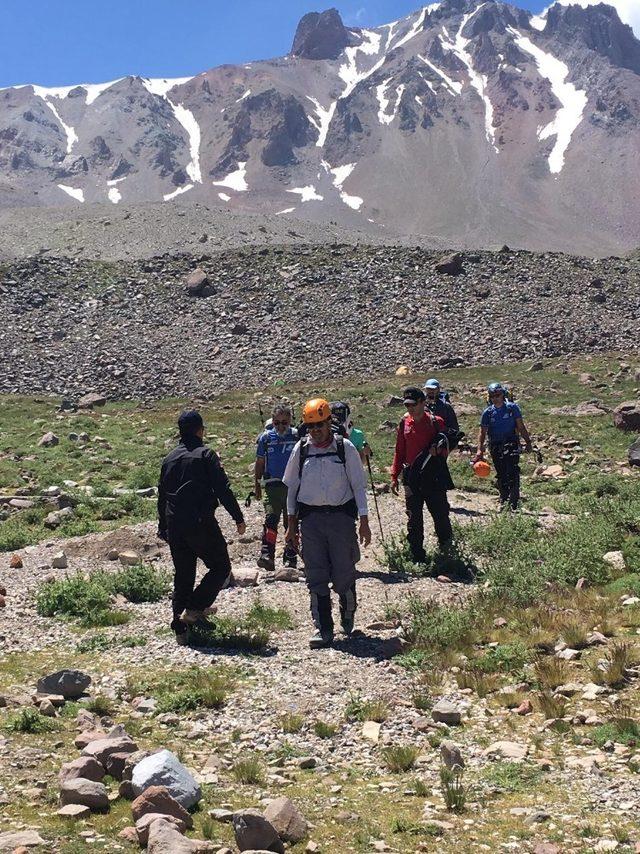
[[192, 485], [446, 411]]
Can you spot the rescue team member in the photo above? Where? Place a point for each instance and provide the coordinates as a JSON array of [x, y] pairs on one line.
[[192, 485], [341, 416], [327, 493], [420, 433], [438, 404], [502, 423], [275, 445]]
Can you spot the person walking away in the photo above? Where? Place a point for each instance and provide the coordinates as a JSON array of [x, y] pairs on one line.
[[192, 485], [502, 424], [420, 439], [438, 404], [327, 493], [341, 417], [274, 448]]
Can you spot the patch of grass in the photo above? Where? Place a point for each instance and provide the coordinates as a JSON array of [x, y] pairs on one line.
[[228, 633], [100, 705], [626, 584], [324, 730], [358, 709], [139, 583], [505, 658], [435, 627], [262, 616], [291, 723], [403, 825], [511, 776], [481, 683], [621, 730], [453, 790], [551, 705], [94, 643], [421, 789], [551, 672], [186, 690], [614, 670], [132, 641], [422, 700], [75, 596], [248, 770], [30, 720], [97, 619], [399, 757], [396, 557], [574, 634]]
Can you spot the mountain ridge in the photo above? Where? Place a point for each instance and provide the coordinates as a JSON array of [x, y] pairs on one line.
[[477, 122]]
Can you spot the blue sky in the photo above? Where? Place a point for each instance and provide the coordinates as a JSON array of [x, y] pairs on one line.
[[61, 42]]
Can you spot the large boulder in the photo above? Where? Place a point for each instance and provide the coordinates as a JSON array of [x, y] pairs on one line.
[[255, 832], [103, 748], [446, 713], [450, 265], [88, 401], [320, 36], [71, 684], [634, 453], [49, 440], [196, 282], [157, 799], [626, 416], [165, 769], [287, 820], [143, 825], [86, 792]]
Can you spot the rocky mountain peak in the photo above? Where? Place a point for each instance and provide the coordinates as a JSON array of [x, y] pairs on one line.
[[598, 28], [320, 35]]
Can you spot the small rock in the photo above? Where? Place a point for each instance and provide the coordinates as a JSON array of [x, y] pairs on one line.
[[16, 562], [244, 577], [506, 750], [10, 840], [102, 748], [129, 558], [59, 561], [85, 767], [58, 517], [49, 440], [371, 731], [615, 559], [451, 755], [46, 708], [143, 825], [74, 811], [445, 712], [157, 799], [165, 839], [525, 708], [450, 265]]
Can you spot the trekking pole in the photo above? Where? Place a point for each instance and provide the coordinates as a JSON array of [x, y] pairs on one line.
[[375, 499]]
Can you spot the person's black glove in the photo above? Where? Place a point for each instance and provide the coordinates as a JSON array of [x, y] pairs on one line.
[[162, 534]]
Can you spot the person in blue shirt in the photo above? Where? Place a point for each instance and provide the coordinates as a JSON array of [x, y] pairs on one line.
[[274, 448], [502, 424]]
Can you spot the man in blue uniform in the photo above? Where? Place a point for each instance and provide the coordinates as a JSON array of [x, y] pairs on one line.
[[275, 445], [502, 423]]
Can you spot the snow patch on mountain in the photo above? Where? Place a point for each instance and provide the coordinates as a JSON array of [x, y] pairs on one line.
[[94, 90], [224, 197], [161, 87], [340, 175], [285, 211], [242, 97], [573, 100], [478, 81], [114, 195], [235, 180], [452, 85], [324, 120], [307, 194], [418, 24], [45, 94], [78, 195], [383, 117]]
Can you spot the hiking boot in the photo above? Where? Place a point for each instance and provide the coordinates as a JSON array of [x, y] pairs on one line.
[[182, 638], [321, 640], [266, 562], [191, 617], [347, 621]]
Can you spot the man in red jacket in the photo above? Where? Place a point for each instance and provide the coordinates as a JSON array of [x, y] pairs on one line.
[[421, 440]]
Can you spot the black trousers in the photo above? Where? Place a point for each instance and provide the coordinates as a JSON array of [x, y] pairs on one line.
[[438, 506], [204, 541], [507, 467]]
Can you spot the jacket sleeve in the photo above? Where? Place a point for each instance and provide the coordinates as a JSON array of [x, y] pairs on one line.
[[400, 452], [162, 505], [292, 480], [221, 487], [356, 476]]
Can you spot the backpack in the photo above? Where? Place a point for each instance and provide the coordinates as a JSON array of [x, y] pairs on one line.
[[304, 453]]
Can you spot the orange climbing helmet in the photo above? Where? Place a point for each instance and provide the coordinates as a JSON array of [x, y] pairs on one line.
[[482, 468], [316, 410]]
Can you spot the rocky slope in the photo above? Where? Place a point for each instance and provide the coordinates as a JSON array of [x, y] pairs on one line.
[[474, 122], [260, 315]]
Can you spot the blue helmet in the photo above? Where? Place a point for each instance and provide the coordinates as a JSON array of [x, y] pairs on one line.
[[492, 388], [432, 383]]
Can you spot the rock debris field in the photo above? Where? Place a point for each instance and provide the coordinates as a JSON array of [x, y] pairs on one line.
[[256, 316]]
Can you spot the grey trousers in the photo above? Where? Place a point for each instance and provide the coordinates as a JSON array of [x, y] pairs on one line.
[[330, 552]]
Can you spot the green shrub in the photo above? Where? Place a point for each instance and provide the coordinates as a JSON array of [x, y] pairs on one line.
[[94, 643], [399, 757], [262, 616], [186, 690], [453, 790], [74, 595], [505, 658], [629, 584], [248, 770], [623, 731], [31, 721], [358, 709], [324, 730], [511, 776], [140, 583], [228, 633], [291, 723], [396, 557], [100, 705], [102, 619], [436, 627]]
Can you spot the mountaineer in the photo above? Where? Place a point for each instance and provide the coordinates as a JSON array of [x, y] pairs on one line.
[[503, 425], [341, 417], [420, 459], [327, 493], [192, 485], [439, 404], [274, 448]]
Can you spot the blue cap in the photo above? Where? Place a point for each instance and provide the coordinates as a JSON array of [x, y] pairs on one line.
[[190, 421], [432, 383], [493, 387]]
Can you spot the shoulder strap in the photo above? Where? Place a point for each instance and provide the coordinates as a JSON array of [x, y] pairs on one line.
[[304, 453], [340, 449]]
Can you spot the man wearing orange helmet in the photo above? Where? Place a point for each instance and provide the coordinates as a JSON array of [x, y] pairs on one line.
[[326, 494]]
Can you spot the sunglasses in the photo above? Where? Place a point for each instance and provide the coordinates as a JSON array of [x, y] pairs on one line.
[[280, 423], [317, 426], [496, 394], [412, 404]]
